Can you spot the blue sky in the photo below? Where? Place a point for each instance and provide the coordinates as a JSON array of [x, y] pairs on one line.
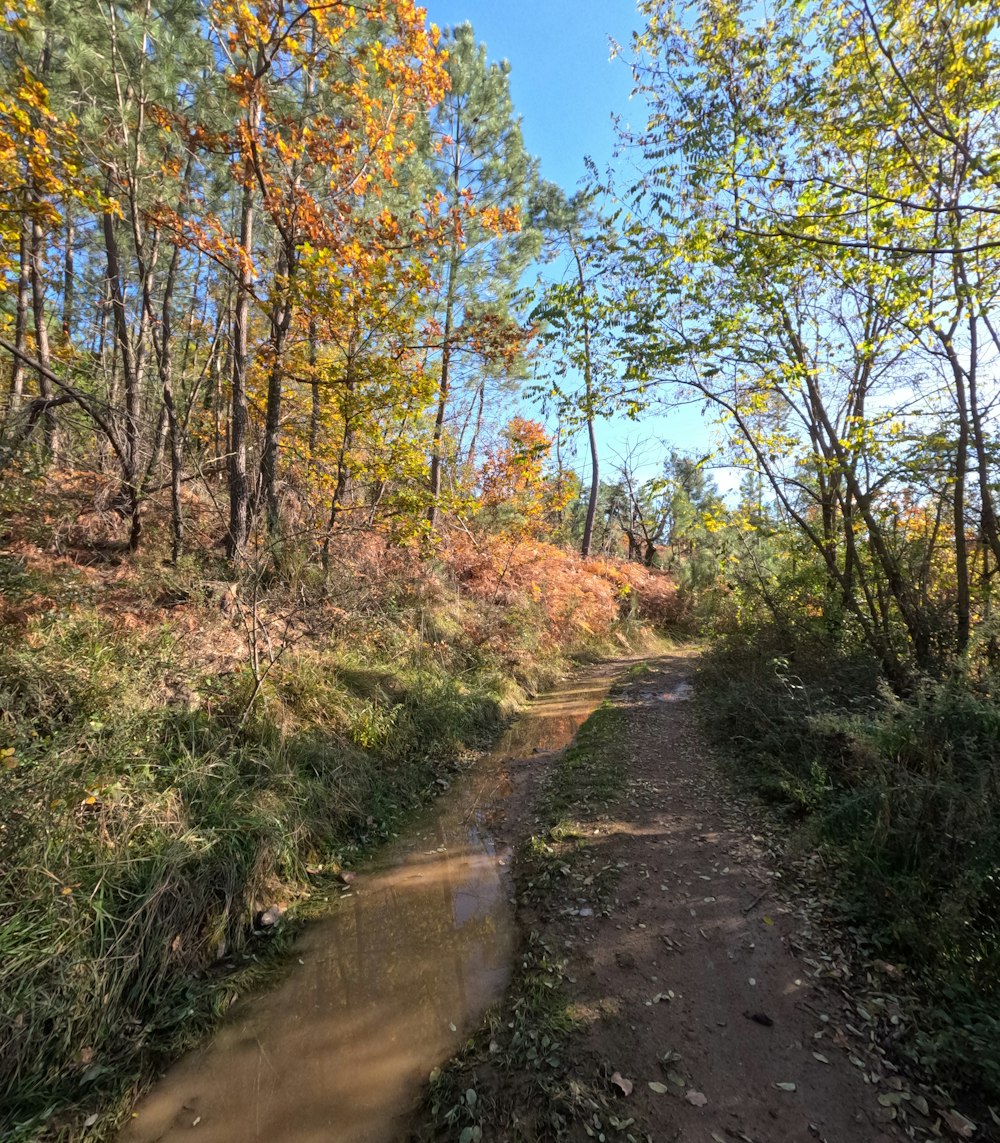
[[566, 87], [563, 82]]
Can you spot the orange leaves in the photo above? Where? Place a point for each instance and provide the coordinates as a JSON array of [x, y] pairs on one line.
[[500, 222], [328, 92], [513, 468], [495, 337], [515, 489], [577, 598]]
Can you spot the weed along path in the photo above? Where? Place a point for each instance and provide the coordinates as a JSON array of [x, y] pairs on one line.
[[385, 988], [662, 992]]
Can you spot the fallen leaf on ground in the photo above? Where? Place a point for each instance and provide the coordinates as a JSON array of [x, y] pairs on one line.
[[696, 1098], [659, 1088], [786, 1086], [963, 1128], [624, 1085]]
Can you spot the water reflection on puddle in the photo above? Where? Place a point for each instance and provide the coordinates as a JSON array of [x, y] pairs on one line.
[[389, 984]]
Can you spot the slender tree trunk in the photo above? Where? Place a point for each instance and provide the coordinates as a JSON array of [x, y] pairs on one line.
[[21, 316], [37, 259], [133, 397], [213, 394], [42, 350], [477, 428], [315, 408], [588, 381], [443, 387], [239, 490], [980, 447], [962, 595], [69, 279], [343, 462], [173, 421], [281, 317], [595, 488]]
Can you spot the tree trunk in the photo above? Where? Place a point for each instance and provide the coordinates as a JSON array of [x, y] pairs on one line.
[[42, 338], [588, 381], [595, 488], [343, 462], [442, 406], [281, 317], [163, 348], [131, 478], [477, 427], [69, 280], [239, 491], [315, 407], [21, 318], [962, 594]]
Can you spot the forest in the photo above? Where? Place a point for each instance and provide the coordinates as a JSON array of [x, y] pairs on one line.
[[304, 374]]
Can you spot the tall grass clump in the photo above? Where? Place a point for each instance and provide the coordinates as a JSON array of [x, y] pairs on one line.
[[142, 836]]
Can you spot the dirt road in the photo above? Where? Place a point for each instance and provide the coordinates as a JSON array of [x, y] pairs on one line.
[[707, 1013], [697, 959]]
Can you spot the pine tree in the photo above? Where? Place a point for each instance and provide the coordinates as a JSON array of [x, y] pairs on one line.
[[486, 178]]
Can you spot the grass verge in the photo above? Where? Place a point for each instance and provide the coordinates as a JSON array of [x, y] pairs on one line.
[[520, 1078], [144, 839], [185, 749], [902, 796]]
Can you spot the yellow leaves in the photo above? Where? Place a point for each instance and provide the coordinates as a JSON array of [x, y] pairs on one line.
[[499, 222], [39, 161]]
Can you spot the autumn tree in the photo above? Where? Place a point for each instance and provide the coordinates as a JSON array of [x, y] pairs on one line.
[[326, 95], [577, 317], [485, 179], [791, 274], [517, 492]]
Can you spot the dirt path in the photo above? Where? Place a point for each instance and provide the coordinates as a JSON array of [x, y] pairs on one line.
[[690, 977]]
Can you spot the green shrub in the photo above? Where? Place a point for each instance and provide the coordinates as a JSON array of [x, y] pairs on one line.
[[905, 794]]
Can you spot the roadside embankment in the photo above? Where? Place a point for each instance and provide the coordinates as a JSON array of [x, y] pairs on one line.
[[186, 758]]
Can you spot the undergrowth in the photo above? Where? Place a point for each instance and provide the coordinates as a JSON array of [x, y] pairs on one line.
[[183, 752], [141, 840], [903, 793], [520, 1078]]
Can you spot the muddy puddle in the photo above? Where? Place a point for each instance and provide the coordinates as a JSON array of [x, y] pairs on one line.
[[386, 987]]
